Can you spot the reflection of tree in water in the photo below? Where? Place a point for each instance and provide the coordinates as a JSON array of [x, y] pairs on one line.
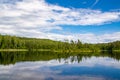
[[13, 57]]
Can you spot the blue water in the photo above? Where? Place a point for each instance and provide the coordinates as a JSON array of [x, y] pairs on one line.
[[89, 68]]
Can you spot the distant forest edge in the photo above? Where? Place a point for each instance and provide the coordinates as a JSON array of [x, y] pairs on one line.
[[12, 43]]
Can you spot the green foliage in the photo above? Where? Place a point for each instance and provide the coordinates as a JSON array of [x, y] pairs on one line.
[[13, 42]]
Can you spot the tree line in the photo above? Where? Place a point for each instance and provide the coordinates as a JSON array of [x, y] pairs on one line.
[[13, 42]]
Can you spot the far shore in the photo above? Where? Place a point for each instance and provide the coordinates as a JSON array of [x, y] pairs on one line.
[[13, 50]]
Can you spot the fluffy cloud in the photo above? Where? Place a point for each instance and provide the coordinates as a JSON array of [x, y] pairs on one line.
[[37, 18], [92, 38]]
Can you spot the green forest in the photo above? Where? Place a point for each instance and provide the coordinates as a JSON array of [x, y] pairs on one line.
[[13, 42]]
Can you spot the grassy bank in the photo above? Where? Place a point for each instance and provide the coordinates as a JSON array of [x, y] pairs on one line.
[[14, 50], [47, 50], [77, 50]]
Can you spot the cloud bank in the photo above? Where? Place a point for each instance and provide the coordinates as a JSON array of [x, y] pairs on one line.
[[37, 18]]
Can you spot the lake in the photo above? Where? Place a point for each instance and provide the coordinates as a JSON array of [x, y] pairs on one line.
[[59, 66]]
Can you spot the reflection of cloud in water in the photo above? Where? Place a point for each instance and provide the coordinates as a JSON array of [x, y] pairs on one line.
[[30, 76], [103, 61], [41, 70]]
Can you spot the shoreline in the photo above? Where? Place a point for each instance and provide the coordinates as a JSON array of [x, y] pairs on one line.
[[13, 50]]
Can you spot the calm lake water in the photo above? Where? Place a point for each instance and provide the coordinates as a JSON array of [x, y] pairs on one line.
[[59, 66]]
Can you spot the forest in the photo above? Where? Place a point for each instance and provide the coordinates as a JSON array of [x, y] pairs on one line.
[[13, 42]]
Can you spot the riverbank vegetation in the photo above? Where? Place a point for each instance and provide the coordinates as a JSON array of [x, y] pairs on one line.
[[12, 43]]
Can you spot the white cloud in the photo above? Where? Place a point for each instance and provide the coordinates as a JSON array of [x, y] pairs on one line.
[[88, 37], [96, 1], [37, 18], [92, 38]]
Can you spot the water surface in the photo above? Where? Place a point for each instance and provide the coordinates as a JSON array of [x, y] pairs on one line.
[[59, 66]]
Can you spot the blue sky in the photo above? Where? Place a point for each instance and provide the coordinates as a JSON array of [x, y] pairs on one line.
[[104, 5], [92, 21]]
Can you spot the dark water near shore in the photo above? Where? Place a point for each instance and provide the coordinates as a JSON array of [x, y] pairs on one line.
[[59, 66]]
